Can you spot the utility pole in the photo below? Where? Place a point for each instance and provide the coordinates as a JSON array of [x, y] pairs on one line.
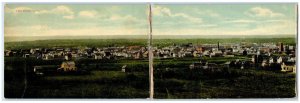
[[151, 82]]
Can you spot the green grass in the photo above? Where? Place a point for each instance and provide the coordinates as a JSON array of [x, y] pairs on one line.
[[99, 84], [247, 83], [93, 77]]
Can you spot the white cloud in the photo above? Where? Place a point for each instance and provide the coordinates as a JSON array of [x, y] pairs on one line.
[[26, 30], [88, 14], [208, 25], [109, 18], [158, 10], [124, 18], [274, 27], [262, 12], [207, 13], [163, 11], [61, 10], [69, 17], [241, 21], [97, 31], [247, 21], [274, 20], [188, 17], [40, 30]]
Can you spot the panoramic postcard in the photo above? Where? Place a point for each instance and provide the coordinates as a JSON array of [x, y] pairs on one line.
[[156, 51]]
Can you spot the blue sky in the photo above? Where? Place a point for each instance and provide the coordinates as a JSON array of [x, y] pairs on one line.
[[171, 19]]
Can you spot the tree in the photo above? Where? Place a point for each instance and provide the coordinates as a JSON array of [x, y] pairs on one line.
[[244, 52]]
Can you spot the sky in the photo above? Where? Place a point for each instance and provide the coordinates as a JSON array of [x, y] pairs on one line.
[[25, 20]]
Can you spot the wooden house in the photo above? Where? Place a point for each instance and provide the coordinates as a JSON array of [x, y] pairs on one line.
[[67, 66]]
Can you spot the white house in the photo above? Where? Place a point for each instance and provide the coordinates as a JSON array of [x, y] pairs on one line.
[[279, 60], [264, 63], [124, 68], [271, 60]]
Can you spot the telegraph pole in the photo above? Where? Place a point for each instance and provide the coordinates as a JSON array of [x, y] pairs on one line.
[[151, 82]]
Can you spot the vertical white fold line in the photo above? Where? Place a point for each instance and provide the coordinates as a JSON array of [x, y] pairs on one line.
[[151, 81], [297, 43]]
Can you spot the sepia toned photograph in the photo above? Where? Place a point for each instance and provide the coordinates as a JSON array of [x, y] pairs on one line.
[[150, 51]]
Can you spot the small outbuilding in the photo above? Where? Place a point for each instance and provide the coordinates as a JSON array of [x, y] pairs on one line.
[[67, 66]]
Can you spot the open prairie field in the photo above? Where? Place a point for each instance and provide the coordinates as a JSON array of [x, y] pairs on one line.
[[106, 80]]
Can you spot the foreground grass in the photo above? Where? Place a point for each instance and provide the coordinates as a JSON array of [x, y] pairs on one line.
[[99, 84], [181, 83]]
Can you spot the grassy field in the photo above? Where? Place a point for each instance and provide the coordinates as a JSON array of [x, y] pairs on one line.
[[98, 84], [110, 82]]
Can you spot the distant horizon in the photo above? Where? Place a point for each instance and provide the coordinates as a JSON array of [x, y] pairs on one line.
[[153, 35], [60, 37]]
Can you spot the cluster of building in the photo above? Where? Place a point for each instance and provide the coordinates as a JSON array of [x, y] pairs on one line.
[[282, 63], [134, 52], [264, 54], [222, 50]]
